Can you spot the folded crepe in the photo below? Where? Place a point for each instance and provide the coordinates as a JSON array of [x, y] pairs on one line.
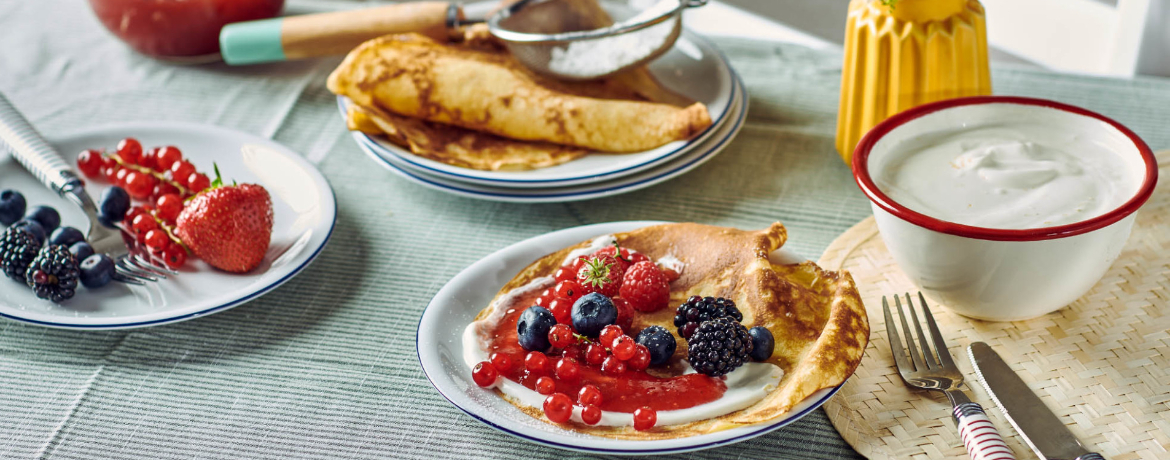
[[816, 316], [490, 92]]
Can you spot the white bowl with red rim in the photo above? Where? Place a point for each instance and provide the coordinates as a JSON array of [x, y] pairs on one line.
[[992, 273]]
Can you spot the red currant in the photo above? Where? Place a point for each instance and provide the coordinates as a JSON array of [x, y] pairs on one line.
[[169, 207], [594, 354], [562, 310], [625, 318], [567, 369], [558, 408], [645, 418], [120, 177], [132, 213], [608, 334], [111, 173], [641, 359], [569, 290], [89, 162], [157, 239], [484, 374], [503, 362], [565, 273], [149, 159], [181, 170], [536, 362], [590, 414], [198, 182], [623, 347], [589, 396], [143, 223], [139, 185], [545, 386], [130, 150], [613, 366], [560, 336], [174, 255], [164, 188], [167, 157], [574, 351]]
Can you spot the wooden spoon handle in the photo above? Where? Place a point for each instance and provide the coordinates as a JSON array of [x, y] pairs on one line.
[[326, 34]]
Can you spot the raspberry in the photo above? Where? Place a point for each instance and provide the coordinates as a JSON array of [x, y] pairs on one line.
[[645, 418], [484, 374], [602, 275], [645, 287]]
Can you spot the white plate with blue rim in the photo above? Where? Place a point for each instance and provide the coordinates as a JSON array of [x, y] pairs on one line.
[[304, 212], [694, 68], [440, 351], [692, 159]]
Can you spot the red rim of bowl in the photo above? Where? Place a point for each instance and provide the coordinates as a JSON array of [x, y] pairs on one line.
[[861, 175]]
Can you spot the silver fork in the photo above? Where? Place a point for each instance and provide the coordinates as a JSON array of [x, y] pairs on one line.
[[934, 369], [133, 263]]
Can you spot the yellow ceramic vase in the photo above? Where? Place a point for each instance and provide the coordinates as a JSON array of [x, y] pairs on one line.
[[898, 57]]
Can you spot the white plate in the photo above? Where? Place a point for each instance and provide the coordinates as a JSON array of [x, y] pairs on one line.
[[304, 211], [440, 350], [693, 67], [644, 179]]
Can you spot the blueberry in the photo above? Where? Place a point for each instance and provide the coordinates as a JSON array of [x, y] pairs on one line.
[[659, 341], [762, 343], [532, 328], [66, 236], [12, 206], [114, 204], [33, 228], [81, 250], [96, 271], [592, 312], [46, 216]]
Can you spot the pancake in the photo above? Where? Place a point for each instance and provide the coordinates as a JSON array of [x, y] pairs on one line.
[[414, 76], [816, 316]]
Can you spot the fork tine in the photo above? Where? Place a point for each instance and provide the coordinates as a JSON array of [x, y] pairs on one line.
[[939, 344], [928, 355], [895, 342], [918, 364], [120, 277], [127, 268], [145, 265]]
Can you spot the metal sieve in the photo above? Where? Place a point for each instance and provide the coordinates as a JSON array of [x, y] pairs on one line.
[[553, 38]]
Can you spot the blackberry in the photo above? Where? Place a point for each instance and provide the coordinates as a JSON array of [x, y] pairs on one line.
[[719, 346], [18, 248], [699, 309], [53, 274]]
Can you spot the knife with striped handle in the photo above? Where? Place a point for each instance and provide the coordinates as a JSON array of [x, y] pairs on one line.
[[1039, 427]]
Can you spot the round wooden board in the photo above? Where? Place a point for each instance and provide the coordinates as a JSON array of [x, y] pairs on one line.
[[1102, 364]]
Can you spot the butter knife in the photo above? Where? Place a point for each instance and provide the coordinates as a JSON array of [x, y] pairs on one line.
[[1039, 427]]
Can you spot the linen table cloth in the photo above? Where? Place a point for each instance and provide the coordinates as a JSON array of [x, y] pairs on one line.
[[325, 366]]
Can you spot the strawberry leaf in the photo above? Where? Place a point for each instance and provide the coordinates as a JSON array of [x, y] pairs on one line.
[[597, 272], [218, 182]]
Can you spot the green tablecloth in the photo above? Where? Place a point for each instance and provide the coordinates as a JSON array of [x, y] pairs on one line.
[[324, 366]]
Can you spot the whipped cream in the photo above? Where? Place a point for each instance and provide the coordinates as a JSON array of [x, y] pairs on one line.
[[745, 386], [597, 244], [1015, 174]]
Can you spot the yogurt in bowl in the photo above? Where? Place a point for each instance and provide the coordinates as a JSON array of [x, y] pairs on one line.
[[1004, 208]]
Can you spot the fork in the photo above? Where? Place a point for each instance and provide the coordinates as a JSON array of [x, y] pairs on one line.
[[935, 370], [133, 264]]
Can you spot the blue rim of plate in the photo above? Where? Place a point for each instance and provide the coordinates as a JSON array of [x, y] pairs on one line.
[[649, 163], [764, 429], [208, 311], [594, 193]]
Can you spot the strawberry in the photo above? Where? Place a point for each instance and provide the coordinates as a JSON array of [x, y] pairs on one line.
[[229, 227], [625, 257], [601, 274], [645, 287]]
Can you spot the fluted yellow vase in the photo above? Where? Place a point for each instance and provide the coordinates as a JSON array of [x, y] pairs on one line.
[[907, 54]]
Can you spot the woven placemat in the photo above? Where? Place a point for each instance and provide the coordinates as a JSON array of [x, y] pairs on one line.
[[1102, 364]]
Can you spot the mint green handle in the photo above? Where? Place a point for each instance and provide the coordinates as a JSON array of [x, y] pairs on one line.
[[252, 42]]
